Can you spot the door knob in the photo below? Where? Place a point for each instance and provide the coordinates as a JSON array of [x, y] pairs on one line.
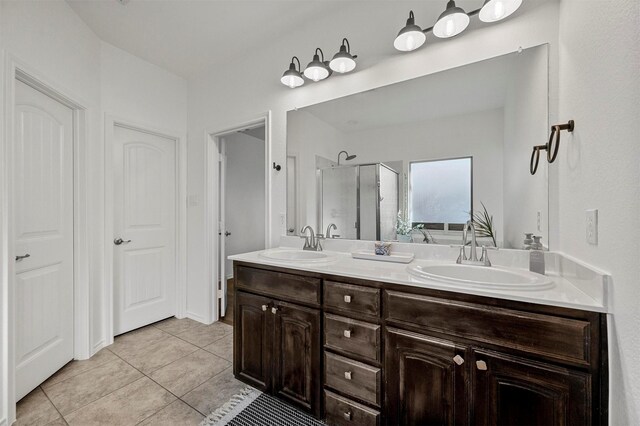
[[22, 257], [481, 365], [119, 241], [274, 310], [264, 307], [458, 360]]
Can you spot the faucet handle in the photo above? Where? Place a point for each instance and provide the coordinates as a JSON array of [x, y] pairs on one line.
[[484, 257], [462, 256]]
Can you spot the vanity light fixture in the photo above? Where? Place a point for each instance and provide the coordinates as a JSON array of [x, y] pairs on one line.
[[343, 61], [453, 21], [317, 70], [410, 37], [496, 10], [292, 77]]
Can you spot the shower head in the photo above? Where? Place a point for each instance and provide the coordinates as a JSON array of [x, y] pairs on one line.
[[348, 157]]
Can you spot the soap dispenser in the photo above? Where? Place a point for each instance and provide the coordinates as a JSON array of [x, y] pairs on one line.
[[536, 256], [528, 240]]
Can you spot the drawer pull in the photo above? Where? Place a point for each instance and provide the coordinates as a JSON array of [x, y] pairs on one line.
[[347, 375], [481, 365], [347, 415], [458, 360], [347, 298], [264, 307], [274, 310], [347, 334]]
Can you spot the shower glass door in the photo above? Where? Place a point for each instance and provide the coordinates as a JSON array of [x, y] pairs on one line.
[[340, 200]]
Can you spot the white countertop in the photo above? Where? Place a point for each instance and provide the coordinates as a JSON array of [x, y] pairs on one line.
[[576, 286]]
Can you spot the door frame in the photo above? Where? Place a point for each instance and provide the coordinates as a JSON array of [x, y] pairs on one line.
[[13, 69], [212, 168], [111, 121]]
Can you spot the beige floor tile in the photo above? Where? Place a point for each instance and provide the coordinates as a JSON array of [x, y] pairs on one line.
[[157, 355], [35, 409], [176, 326], [222, 347], [126, 406], [213, 393], [182, 375], [176, 413], [80, 390], [76, 367], [203, 335], [58, 422], [130, 343]]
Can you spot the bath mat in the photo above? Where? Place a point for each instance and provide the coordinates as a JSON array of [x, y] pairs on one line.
[[254, 408]]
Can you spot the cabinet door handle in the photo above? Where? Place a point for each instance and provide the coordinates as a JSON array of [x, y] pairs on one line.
[[264, 307], [24, 256], [481, 365], [274, 310], [347, 415], [347, 298], [347, 375], [458, 360], [347, 334]]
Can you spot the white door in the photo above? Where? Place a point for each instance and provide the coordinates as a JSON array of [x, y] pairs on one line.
[[144, 228], [42, 225], [222, 227]]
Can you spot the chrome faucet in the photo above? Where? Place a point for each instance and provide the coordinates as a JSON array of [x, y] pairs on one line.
[[473, 255], [328, 235], [312, 241]]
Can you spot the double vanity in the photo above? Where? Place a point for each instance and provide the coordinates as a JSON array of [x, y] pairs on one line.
[[360, 342]]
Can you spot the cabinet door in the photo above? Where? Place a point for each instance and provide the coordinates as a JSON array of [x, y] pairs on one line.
[[253, 334], [516, 391], [297, 355], [425, 380]]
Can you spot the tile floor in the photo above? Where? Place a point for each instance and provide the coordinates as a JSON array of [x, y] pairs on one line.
[[173, 372]]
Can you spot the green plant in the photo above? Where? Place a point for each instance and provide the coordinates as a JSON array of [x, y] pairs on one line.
[[426, 235], [402, 225], [483, 222]]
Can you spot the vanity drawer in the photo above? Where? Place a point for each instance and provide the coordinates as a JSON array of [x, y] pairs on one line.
[[352, 298], [564, 339], [280, 285], [341, 411], [352, 336], [352, 377]]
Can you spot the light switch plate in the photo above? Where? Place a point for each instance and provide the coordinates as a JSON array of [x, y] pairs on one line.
[[592, 226]]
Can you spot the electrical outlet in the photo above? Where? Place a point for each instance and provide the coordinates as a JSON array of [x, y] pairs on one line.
[[592, 226], [539, 221], [283, 218]]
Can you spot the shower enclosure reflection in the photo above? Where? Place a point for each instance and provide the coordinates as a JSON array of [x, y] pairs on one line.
[[362, 200]]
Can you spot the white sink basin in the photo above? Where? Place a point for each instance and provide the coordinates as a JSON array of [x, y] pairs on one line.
[[491, 277], [293, 255]]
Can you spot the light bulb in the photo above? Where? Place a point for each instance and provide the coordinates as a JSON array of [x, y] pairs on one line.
[[411, 43], [498, 10], [315, 75], [449, 27]]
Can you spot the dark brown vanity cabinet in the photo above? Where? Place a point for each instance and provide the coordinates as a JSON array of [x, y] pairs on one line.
[[277, 346], [368, 353]]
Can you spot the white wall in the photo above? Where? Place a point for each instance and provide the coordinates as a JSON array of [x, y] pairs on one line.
[[50, 39], [599, 167], [227, 96], [305, 130], [245, 200]]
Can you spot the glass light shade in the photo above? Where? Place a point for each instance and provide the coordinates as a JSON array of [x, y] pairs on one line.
[[452, 22], [496, 10], [342, 61], [292, 79], [316, 70], [410, 37]]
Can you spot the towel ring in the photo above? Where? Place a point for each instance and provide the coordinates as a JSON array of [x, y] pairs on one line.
[[550, 147]]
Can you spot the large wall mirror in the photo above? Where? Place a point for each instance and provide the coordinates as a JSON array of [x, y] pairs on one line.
[[414, 161]]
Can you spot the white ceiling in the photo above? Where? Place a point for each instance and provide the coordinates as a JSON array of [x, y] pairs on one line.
[[189, 37], [477, 87]]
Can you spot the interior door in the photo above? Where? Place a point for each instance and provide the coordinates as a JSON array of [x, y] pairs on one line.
[[144, 228], [42, 225], [222, 227]]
